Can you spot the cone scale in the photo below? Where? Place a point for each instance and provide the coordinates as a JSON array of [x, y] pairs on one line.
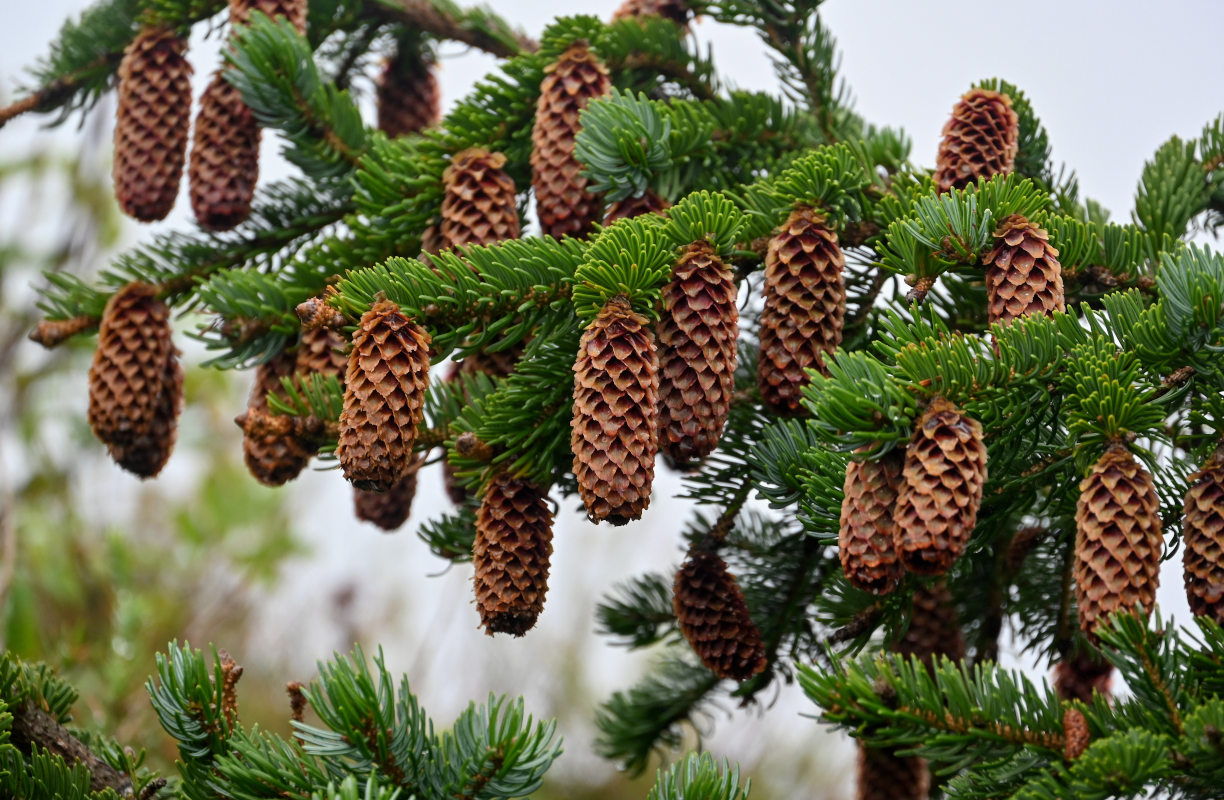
[[866, 544], [1203, 540], [1023, 275], [714, 618], [407, 97], [511, 554], [390, 509], [273, 458], [884, 775], [479, 204], [224, 164], [980, 140]]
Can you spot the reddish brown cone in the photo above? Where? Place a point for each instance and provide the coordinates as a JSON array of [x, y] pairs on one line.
[[714, 618], [148, 452], [292, 10], [626, 207], [321, 352], [224, 162], [934, 630], [479, 205], [884, 775], [1075, 729], [1203, 540], [390, 509], [272, 458], [408, 95], [1023, 275], [979, 141], [675, 10], [1081, 674], [866, 542], [511, 553]]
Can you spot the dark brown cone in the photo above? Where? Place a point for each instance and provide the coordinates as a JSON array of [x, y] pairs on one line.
[[675, 10], [934, 627], [1023, 275], [941, 490], [454, 489], [1075, 729], [805, 307], [1080, 674], [152, 124], [626, 207], [478, 200], [511, 552], [1118, 539], [384, 394], [292, 10], [273, 459], [714, 618], [1203, 532], [408, 95], [979, 141], [884, 775], [321, 352], [697, 330], [148, 452], [614, 432], [563, 204], [390, 509], [866, 542], [224, 162]]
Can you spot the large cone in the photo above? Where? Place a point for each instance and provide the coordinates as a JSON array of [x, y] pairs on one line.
[[390, 509], [273, 458], [1023, 275], [511, 552], [408, 95], [1203, 540], [866, 541], [478, 200], [884, 775], [934, 630], [714, 618], [979, 141], [1081, 674], [224, 158]]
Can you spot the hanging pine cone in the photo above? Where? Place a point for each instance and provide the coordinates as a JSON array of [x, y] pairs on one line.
[[292, 10], [934, 630], [805, 306], [614, 434], [941, 490], [626, 207], [866, 539], [1080, 674], [884, 775], [563, 204], [478, 200], [1118, 539], [152, 124], [408, 96], [697, 330], [1023, 275], [224, 162], [390, 509], [979, 141], [714, 618], [384, 394], [147, 452], [511, 552], [1204, 540], [675, 10], [321, 352], [1076, 733], [272, 458]]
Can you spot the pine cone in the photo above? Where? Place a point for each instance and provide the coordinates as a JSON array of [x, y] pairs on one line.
[[1118, 539], [272, 458], [408, 95], [390, 509], [866, 540], [934, 627], [1075, 729], [153, 120], [384, 394], [511, 552], [478, 200], [697, 330], [224, 158], [675, 10], [1204, 540], [884, 775], [626, 207], [805, 306], [714, 618], [292, 10], [614, 432], [979, 141], [1080, 674], [938, 500], [321, 352], [563, 204], [1024, 276], [148, 452]]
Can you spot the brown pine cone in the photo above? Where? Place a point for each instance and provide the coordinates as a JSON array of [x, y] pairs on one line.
[[511, 552], [866, 541], [1023, 275], [478, 200], [153, 120], [979, 141], [698, 329], [273, 459], [148, 452], [1118, 539], [408, 96], [390, 509], [384, 395], [626, 207], [321, 352], [805, 307], [292, 10], [1080, 674], [1075, 729], [938, 500], [614, 432], [884, 775], [1203, 540], [675, 10], [563, 204], [224, 162], [934, 627], [714, 618]]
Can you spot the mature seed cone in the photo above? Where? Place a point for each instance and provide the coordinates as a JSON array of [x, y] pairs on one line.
[[675, 10], [384, 394], [614, 432], [408, 95], [980, 140], [884, 775], [941, 490], [292, 10], [152, 124], [224, 158], [511, 552], [647, 203], [866, 541], [147, 452], [1118, 539], [321, 352], [805, 306], [1204, 540], [934, 627], [1080, 674], [273, 458], [478, 200], [1023, 275], [563, 204], [714, 618], [698, 328], [1075, 729], [390, 509]]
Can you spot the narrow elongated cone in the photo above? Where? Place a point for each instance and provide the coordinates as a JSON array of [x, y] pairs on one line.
[[1203, 540], [646, 203], [408, 98], [1081, 674], [697, 331], [884, 775], [321, 352], [934, 630], [511, 552], [390, 509], [1075, 730], [478, 200], [979, 141], [714, 618], [941, 489], [1023, 275], [866, 541], [154, 117], [1118, 539], [384, 395], [292, 10], [224, 162], [563, 204], [614, 430], [148, 452], [675, 10], [805, 307], [273, 458]]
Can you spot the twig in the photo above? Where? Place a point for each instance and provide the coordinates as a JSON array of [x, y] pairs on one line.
[[425, 16], [34, 726], [50, 96]]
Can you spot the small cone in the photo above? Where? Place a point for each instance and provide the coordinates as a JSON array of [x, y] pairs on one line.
[[321, 352], [614, 431], [938, 500], [866, 539], [714, 618], [934, 628], [647, 203], [1081, 674], [1075, 729], [884, 775], [390, 509], [384, 395], [273, 459], [697, 330], [148, 452], [675, 10], [408, 95], [479, 205], [805, 307], [153, 120], [979, 141], [224, 158], [563, 204], [1203, 540], [1023, 275], [1118, 539], [292, 10], [511, 552]]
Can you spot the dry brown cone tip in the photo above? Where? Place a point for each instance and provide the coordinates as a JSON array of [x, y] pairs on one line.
[[272, 458], [384, 395], [934, 630], [614, 431], [979, 141], [626, 207], [1118, 539], [866, 540], [390, 509], [941, 489], [1203, 540], [714, 618], [479, 205], [511, 554], [292, 10], [884, 775], [1081, 674], [1076, 733], [224, 162], [675, 10], [805, 307], [408, 97], [154, 118], [1023, 275]]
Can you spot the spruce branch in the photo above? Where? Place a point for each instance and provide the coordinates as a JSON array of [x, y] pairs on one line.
[[476, 27], [33, 730]]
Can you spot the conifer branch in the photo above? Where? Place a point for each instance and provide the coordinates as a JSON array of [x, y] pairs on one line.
[[35, 729], [476, 27]]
